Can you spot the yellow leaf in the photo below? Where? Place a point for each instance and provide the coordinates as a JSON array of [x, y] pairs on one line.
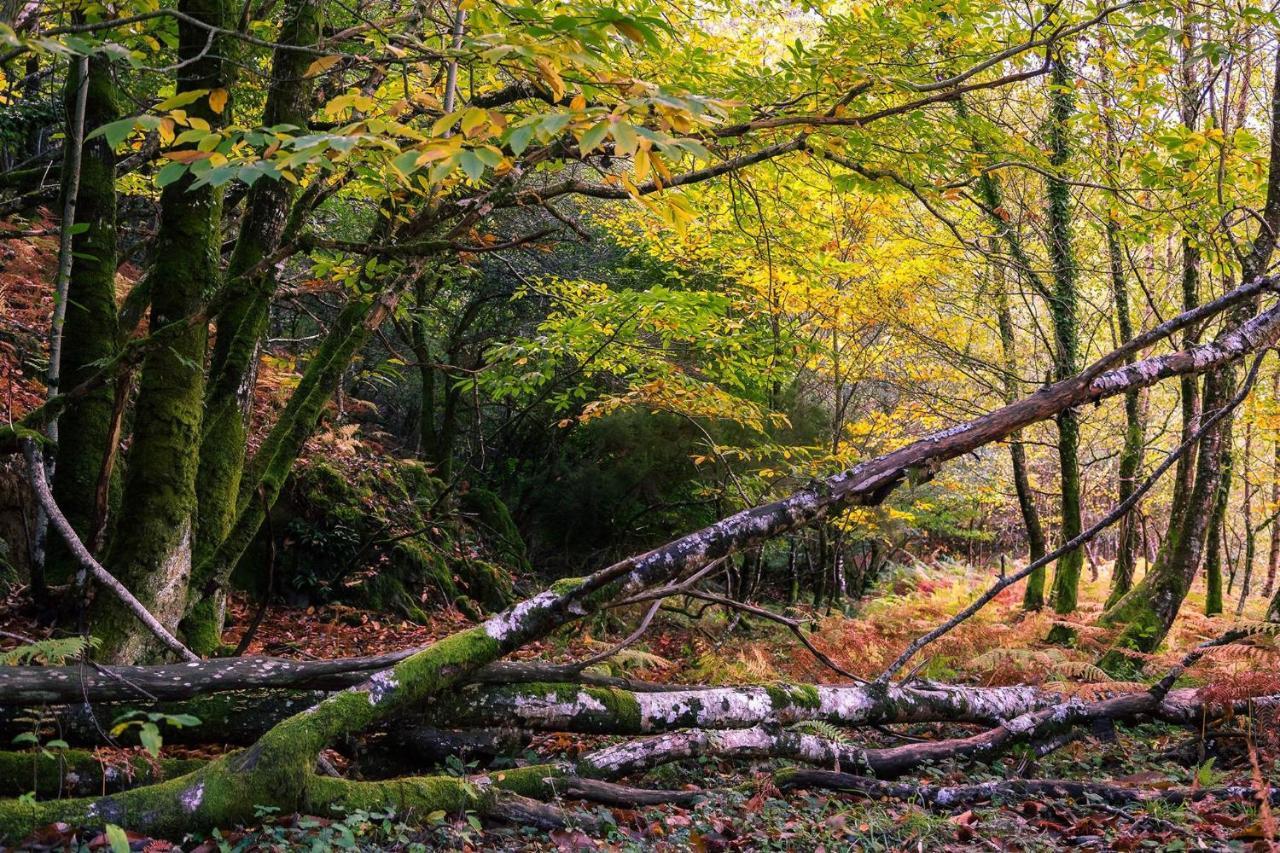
[[218, 100], [322, 65], [551, 77], [186, 156]]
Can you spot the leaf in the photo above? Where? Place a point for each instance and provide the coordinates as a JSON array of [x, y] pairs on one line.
[[117, 838], [170, 173], [473, 119], [151, 740], [518, 139], [592, 138], [181, 100], [624, 137], [186, 155], [322, 65], [218, 100], [551, 76], [471, 164], [115, 132]]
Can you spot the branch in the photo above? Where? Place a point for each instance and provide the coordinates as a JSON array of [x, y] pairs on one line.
[[35, 470], [1117, 513]]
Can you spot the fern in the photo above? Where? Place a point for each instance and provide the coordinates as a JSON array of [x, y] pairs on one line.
[[1254, 629], [1082, 670], [821, 729], [638, 659], [54, 651]]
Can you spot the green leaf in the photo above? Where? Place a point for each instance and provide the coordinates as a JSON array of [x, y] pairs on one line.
[[181, 100], [518, 139], [624, 137], [170, 173], [149, 735], [471, 164], [115, 132], [593, 137], [117, 838]]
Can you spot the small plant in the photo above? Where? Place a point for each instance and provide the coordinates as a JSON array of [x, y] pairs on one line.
[[148, 727], [54, 651]]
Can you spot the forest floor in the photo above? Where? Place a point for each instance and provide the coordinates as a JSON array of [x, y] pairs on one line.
[[744, 811]]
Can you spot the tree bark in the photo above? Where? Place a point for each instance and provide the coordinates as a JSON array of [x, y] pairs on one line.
[[241, 326], [90, 334], [1062, 306], [150, 551]]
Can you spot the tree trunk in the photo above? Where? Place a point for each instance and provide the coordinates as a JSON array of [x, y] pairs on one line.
[[1217, 525], [1250, 537], [1273, 555], [90, 334], [1033, 596], [1147, 611], [1066, 579], [241, 326], [150, 552]]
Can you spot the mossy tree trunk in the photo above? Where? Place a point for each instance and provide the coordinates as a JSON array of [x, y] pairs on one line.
[[266, 473], [241, 327], [91, 333], [1217, 525], [150, 550], [1062, 308]]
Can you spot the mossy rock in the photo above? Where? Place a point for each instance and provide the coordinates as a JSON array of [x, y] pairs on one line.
[[336, 541]]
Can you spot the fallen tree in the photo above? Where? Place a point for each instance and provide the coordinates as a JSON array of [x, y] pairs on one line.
[[279, 768]]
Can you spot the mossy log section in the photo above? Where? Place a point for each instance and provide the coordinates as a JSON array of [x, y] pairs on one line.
[[1013, 790], [30, 685], [75, 772], [278, 770]]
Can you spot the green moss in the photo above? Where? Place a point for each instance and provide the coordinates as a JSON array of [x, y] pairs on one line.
[[493, 515], [53, 773]]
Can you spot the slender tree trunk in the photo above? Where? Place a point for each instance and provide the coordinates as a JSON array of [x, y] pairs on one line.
[[1033, 595], [1066, 578], [1134, 439], [241, 326], [1214, 545], [1250, 537], [90, 334], [1273, 556], [151, 550]]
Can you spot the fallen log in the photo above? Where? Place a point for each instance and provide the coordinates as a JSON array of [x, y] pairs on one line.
[[240, 718], [1015, 790], [87, 682]]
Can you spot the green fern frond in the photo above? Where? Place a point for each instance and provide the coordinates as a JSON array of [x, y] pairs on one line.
[[54, 651], [821, 729]]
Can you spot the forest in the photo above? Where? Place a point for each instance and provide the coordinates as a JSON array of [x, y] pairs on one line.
[[653, 425]]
